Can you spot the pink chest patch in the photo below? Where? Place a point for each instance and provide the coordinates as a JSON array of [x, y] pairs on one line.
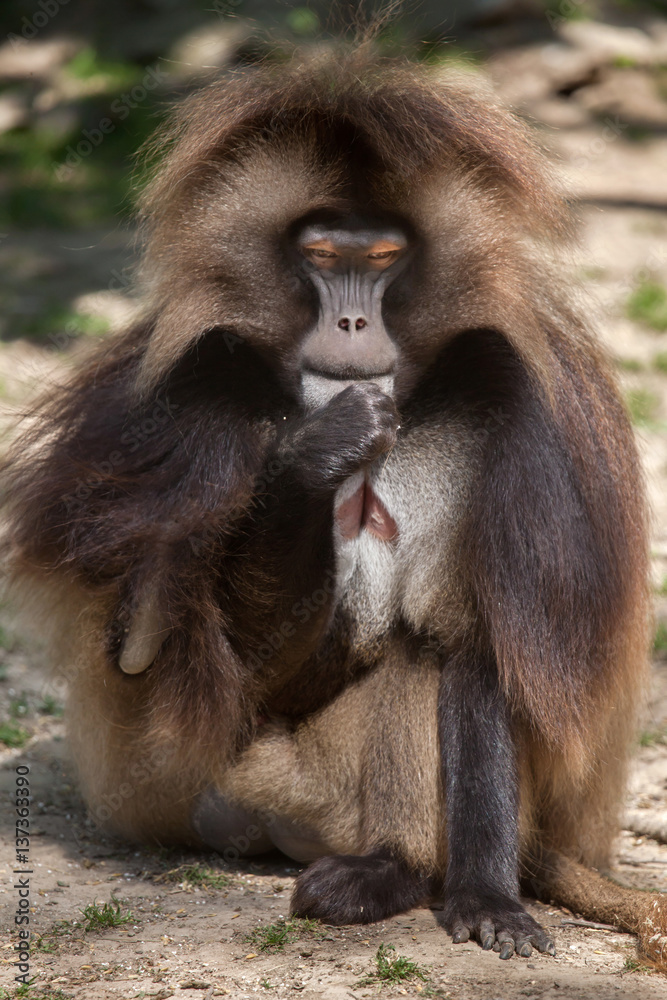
[[364, 510]]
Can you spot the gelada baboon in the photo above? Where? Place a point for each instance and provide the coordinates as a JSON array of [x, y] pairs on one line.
[[233, 524]]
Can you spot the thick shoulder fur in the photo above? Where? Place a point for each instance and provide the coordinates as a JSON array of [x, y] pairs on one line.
[[139, 470]]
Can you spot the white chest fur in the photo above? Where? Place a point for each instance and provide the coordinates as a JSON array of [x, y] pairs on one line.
[[424, 484]]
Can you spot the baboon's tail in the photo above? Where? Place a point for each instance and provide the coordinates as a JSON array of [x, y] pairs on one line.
[[553, 877]]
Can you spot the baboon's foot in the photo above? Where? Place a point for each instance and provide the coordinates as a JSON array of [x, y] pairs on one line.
[[358, 889], [496, 921]]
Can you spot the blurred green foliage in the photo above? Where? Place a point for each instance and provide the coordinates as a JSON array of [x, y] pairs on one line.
[[88, 65], [303, 21], [70, 170], [629, 364], [660, 640], [648, 304], [59, 324], [13, 736], [643, 407]]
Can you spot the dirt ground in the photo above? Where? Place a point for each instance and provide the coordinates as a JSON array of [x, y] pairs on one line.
[[190, 933], [191, 940]]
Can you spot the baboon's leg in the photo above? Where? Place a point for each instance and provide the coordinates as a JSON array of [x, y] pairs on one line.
[[399, 853]]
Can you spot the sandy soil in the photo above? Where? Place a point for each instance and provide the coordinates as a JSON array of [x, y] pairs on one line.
[[191, 940]]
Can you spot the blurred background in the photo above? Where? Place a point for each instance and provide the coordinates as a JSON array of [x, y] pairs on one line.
[[83, 83]]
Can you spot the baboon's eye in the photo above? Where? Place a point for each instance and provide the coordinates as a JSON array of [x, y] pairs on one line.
[[322, 253], [383, 254]]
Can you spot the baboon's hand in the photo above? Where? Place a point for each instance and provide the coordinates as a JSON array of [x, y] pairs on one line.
[[354, 428], [497, 922]]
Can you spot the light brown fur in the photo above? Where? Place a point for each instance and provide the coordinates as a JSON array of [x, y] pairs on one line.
[[366, 764], [536, 571]]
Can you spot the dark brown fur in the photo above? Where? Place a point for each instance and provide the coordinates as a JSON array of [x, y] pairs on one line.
[[142, 476]]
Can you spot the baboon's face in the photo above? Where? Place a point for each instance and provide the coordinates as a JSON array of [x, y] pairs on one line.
[[350, 262]]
